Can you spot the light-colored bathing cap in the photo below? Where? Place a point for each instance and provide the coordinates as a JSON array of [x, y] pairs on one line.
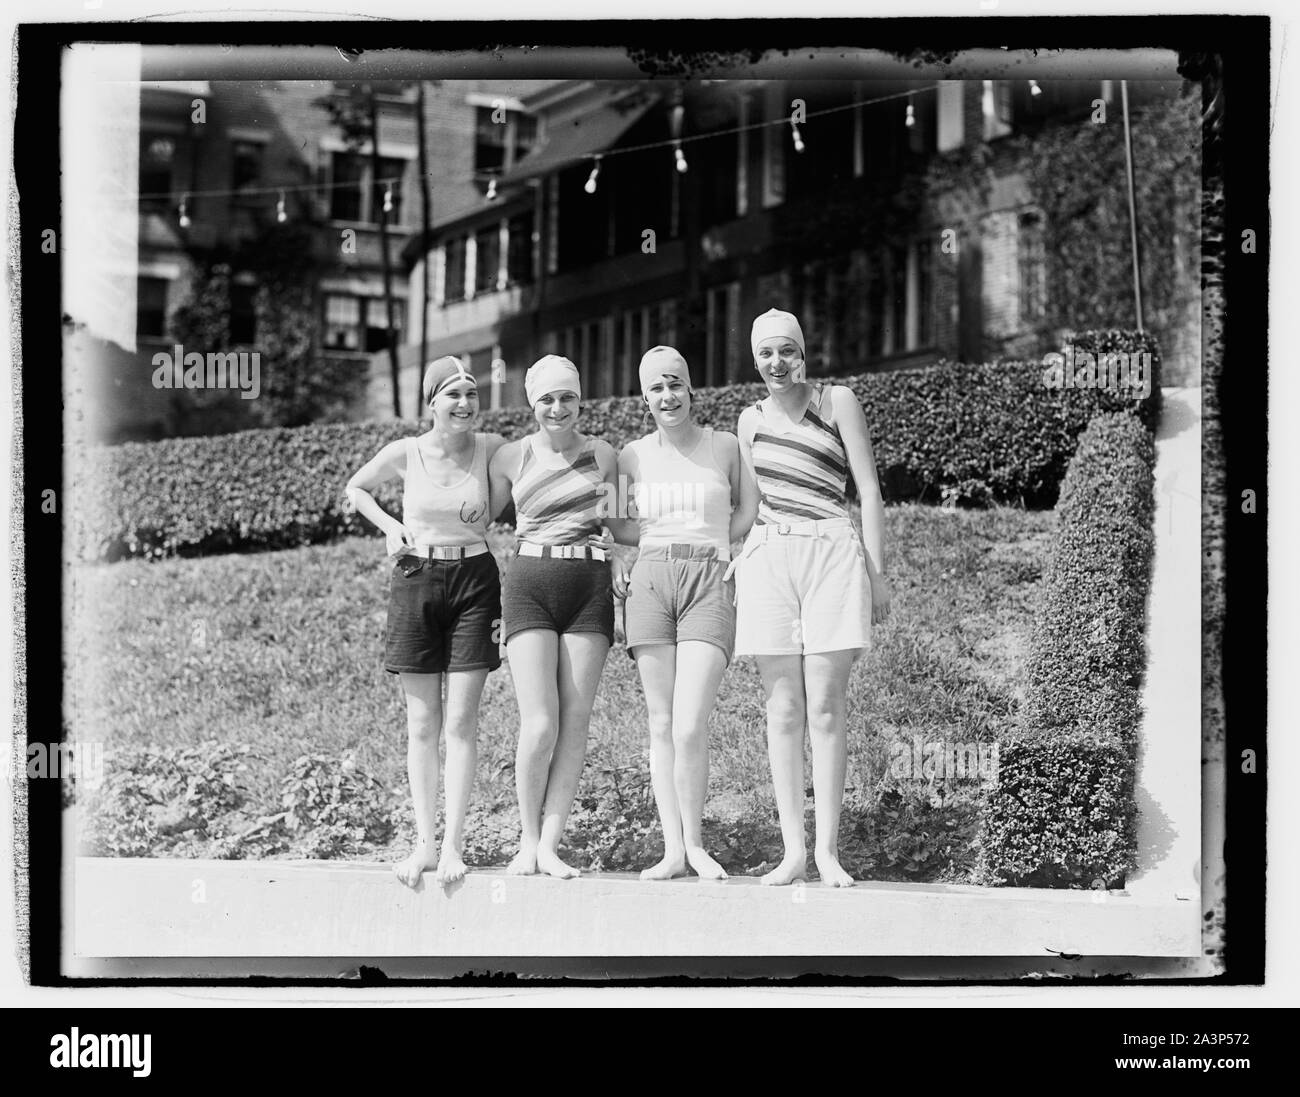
[[663, 362], [551, 373], [441, 372]]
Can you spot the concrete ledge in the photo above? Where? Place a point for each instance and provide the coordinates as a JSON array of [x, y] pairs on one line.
[[168, 908]]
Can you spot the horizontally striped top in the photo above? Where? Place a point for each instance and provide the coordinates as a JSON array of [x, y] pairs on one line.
[[802, 469], [558, 503]]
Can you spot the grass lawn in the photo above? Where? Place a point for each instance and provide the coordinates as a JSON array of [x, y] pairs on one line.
[[281, 653]]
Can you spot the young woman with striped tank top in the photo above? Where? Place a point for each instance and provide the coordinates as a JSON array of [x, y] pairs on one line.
[[692, 499], [808, 589], [557, 600], [444, 608]]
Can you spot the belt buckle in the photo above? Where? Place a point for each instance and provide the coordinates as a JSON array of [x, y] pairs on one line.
[[783, 528], [677, 551], [563, 552]]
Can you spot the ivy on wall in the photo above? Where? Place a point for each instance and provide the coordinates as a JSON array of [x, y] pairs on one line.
[[1076, 176]]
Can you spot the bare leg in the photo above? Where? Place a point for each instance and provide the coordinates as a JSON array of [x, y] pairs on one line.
[[783, 683], [699, 671], [464, 690], [533, 656], [423, 725], [826, 682], [581, 659], [658, 666]]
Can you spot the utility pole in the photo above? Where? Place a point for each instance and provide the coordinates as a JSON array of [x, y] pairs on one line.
[[1132, 206], [424, 247]]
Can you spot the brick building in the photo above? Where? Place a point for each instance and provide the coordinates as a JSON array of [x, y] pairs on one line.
[[222, 162], [595, 246]]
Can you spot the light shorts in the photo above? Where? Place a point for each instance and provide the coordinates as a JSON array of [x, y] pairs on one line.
[[676, 593], [802, 588]]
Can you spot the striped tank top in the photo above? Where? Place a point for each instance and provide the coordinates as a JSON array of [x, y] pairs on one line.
[[681, 498], [558, 503], [802, 469], [456, 514]]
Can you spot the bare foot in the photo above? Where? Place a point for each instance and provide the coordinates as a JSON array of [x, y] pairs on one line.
[[450, 867], [673, 864], [792, 867], [414, 866], [524, 863], [550, 864], [706, 868], [832, 874]]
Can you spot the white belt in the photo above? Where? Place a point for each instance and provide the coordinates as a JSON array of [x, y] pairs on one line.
[[562, 552], [769, 531], [446, 552]]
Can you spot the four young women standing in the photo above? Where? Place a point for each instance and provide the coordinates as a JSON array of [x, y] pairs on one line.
[[805, 593]]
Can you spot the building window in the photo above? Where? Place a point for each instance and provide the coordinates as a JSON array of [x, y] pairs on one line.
[[455, 285], [519, 250], [349, 170], [243, 312], [996, 105], [358, 324], [925, 291], [502, 138], [151, 306], [487, 260], [1033, 269], [358, 196], [157, 155], [722, 344], [245, 164]]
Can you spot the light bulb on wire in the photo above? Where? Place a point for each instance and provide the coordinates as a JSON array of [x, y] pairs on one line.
[[388, 198], [910, 120], [1034, 89], [280, 215], [183, 218], [590, 185], [492, 189], [798, 138], [680, 157]]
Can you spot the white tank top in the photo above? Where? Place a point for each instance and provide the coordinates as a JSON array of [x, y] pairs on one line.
[[681, 498], [453, 515]]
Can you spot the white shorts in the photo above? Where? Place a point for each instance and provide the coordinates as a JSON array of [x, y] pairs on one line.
[[802, 588]]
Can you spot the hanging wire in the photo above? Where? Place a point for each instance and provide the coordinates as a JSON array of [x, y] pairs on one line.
[[676, 143]]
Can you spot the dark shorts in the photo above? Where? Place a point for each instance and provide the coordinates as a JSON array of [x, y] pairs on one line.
[[558, 595], [679, 596], [444, 615]]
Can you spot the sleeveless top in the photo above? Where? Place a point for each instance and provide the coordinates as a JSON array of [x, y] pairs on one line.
[[681, 498], [558, 503], [802, 469], [437, 515]]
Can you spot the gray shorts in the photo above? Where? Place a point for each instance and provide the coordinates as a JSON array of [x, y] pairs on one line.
[[676, 593]]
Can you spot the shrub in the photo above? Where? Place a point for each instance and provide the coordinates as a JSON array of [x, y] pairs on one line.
[[1062, 812], [956, 433]]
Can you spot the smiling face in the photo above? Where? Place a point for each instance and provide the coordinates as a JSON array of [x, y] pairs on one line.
[[777, 359], [669, 398], [455, 408], [557, 411]]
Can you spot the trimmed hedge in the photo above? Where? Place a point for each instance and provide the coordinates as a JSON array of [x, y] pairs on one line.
[[957, 433], [1062, 813]]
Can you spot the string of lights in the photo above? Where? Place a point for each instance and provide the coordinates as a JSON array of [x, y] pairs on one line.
[[676, 143]]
